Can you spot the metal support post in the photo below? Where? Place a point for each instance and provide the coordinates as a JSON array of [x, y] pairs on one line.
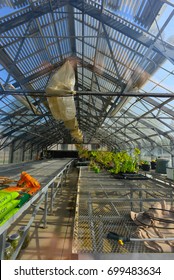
[[45, 211], [11, 152], [141, 201], [52, 197], [2, 242], [131, 197]]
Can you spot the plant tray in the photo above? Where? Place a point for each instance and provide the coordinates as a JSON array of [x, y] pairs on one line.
[[130, 176], [82, 163]]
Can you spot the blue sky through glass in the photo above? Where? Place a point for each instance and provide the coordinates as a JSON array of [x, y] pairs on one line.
[[160, 76], [6, 11]]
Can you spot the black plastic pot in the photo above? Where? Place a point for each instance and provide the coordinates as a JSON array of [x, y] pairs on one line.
[[153, 165], [145, 167]]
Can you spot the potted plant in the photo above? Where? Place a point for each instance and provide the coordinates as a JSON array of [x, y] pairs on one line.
[[145, 165], [104, 159], [125, 163]]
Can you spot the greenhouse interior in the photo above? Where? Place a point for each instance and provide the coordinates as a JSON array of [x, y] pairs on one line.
[[86, 129]]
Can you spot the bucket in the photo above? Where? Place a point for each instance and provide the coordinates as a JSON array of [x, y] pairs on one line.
[[21, 231], [161, 166]]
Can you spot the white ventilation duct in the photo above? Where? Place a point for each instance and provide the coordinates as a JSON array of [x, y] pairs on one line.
[[60, 85], [61, 103]]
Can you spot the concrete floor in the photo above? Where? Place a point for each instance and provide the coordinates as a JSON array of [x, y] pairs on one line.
[[55, 241]]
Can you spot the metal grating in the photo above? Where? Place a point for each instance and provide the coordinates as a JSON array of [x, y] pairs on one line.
[[104, 205]]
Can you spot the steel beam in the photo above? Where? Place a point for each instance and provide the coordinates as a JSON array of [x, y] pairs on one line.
[[37, 93]]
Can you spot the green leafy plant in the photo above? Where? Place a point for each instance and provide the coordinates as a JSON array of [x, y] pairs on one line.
[[82, 152], [93, 154], [93, 165], [116, 162], [144, 162], [125, 163]]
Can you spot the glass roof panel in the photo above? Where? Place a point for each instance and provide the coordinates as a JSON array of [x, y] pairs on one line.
[[119, 49]]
